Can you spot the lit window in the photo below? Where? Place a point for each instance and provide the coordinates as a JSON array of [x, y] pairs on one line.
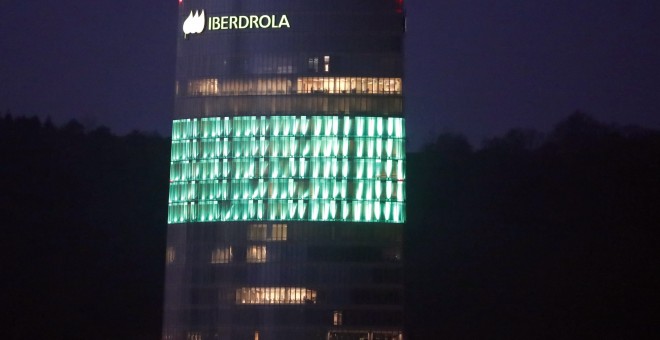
[[257, 232], [285, 85], [337, 318], [279, 232], [256, 254], [221, 255], [233, 87], [339, 85], [203, 87], [326, 64], [274, 295], [194, 336], [170, 255]]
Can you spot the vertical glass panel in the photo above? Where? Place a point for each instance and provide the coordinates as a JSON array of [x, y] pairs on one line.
[[346, 131], [345, 147], [377, 207], [345, 209]]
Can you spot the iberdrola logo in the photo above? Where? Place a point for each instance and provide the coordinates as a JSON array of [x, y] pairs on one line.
[[194, 24], [197, 22]]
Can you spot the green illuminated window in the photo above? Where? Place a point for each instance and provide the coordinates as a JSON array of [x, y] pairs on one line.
[[319, 168]]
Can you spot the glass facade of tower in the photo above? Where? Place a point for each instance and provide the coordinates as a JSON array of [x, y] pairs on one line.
[[287, 177]]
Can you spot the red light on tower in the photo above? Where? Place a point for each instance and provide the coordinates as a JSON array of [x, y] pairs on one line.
[[399, 6], [180, 2]]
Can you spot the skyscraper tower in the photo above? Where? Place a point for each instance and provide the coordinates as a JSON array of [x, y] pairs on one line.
[[287, 178]]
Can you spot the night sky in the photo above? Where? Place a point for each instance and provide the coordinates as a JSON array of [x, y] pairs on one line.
[[473, 67]]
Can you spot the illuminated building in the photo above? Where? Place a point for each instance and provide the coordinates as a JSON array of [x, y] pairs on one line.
[[287, 178]]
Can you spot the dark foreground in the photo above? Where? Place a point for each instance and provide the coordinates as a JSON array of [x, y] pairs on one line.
[[529, 236]]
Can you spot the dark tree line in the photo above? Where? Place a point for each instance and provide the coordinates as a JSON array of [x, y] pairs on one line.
[[530, 236], [535, 237], [83, 231]]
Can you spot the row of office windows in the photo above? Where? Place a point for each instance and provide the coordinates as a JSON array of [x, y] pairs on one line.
[[254, 254], [283, 126], [265, 232], [291, 168], [231, 63], [301, 85], [352, 85], [278, 294], [314, 189], [304, 105], [286, 210], [336, 334], [263, 252], [214, 234], [275, 295], [364, 334], [252, 147], [260, 254]]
